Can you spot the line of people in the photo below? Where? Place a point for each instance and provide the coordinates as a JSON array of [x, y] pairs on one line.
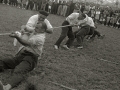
[[63, 8], [110, 18]]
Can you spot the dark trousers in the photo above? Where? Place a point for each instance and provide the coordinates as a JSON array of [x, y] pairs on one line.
[[117, 25], [1, 1], [81, 33], [22, 63], [66, 31], [94, 32], [30, 4]]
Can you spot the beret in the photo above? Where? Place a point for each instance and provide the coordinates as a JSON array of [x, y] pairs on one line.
[[43, 12]]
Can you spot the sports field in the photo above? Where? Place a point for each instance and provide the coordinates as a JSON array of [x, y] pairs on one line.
[[95, 67]]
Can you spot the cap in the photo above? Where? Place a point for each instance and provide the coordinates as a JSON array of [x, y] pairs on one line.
[[43, 12]]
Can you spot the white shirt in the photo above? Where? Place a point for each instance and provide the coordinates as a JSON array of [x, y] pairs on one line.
[[38, 41], [73, 18], [33, 20], [87, 21]]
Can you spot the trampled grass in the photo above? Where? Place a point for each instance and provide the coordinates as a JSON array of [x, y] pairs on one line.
[[76, 68]]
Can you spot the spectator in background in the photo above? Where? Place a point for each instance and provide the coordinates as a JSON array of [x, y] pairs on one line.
[[101, 14], [108, 20], [118, 22], [50, 6], [19, 3], [72, 20], [106, 13], [59, 8], [115, 20], [54, 7], [82, 8], [47, 5], [11, 2], [1, 1], [24, 4], [111, 12], [43, 5], [68, 9], [39, 4], [30, 5], [4, 1], [15, 3], [64, 10], [72, 7], [35, 5], [7, 2]]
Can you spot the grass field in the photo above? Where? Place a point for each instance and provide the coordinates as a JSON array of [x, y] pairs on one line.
[[80, 69]]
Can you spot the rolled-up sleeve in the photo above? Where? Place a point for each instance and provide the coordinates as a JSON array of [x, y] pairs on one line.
[[71, 16], [49, 26], [32, 21]]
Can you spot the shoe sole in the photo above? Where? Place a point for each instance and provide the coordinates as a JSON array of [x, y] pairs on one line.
[[56, 48], [65, 48]]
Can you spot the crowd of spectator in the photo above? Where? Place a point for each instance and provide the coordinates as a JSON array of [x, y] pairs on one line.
[[105, 15], [110, 17], [62, 8]]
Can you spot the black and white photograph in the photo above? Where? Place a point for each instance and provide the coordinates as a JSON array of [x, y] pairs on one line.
[[59, 44]]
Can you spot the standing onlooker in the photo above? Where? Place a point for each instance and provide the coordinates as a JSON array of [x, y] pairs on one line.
[[101, 14], [1, 1], [64, 10], [19, 3], [43, 4], [118, 22], [30, 5], [8, 2], [24, 4], [54, 7], [108, 20], [47, 5], [59, 8], [82, 8], [87, 28], [39, 3], [35, 5], [50, 6], [4, 1], [68, 9], [72, 7], [114, 20]]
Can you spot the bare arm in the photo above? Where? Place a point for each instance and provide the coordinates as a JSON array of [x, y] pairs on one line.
[[22, 41], [49, 27]]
